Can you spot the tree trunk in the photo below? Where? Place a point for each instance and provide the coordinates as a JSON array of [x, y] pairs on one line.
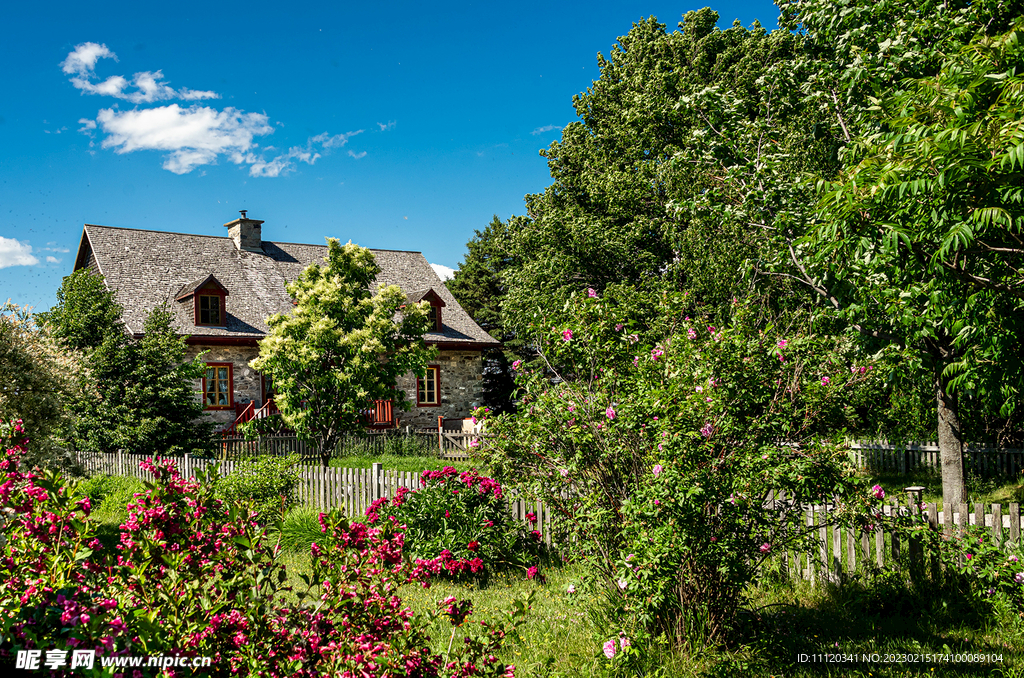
[[951, 446]]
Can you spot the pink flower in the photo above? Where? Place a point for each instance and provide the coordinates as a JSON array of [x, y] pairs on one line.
[[571, 590], [623, 642], [691, 334], [516, 364], [591, 293], [609, 649], [707, 430], [566, 335], [564, 472], [782, 343], [622, 584], [532, 571], [610, 413], [658, 468], [532, 517], [618, 327], [825, 381], [765, 548], [657, 502], [878, 492], [656, 353]]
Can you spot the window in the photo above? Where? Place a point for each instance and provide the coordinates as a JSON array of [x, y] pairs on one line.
[[210, 310], [434, 314], [428, 387], [217, 387]]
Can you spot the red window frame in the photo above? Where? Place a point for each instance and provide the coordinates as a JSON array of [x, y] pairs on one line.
[[196, 304], [436, 369], [231, 387]]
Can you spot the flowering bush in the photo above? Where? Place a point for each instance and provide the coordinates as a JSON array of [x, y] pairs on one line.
[[196, 576], [658, 447], [461, 522]]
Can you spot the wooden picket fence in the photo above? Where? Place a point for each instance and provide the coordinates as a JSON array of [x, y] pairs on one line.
[[842, 550], [350, 489], [983, 460]]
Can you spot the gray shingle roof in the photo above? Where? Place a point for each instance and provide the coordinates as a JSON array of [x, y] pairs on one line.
[[147, 268]]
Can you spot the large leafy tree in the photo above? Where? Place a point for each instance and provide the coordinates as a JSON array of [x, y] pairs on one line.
[[680, 173], [479, 285], [140, 396], [38, 379], [921, 241], [341, 347]]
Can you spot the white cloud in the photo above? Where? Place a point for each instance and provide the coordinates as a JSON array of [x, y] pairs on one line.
[[149, 85], [52, 260], [443, 272], [84, 57], [194, 136], [384, 127], [15, 253], [191, 136], [336, 141], [547, 128]]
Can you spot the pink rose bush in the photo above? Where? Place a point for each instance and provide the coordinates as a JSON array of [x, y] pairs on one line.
[[196, 576], [458, 526], [716, 413]]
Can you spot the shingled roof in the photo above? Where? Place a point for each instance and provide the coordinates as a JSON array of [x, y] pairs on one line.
[[147, 268]]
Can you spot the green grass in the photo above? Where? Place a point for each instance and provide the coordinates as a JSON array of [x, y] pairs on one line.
[[401, 463], [782, 619]]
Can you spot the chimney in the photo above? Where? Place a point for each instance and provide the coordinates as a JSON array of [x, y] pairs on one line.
[[247, 233]]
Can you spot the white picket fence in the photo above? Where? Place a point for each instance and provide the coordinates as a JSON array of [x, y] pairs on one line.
[[842, 550], [839, 549], [983, 460], [350, 489]]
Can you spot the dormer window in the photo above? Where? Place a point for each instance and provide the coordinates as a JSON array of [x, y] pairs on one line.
[[208, 297], [436, 304], [209, 310]]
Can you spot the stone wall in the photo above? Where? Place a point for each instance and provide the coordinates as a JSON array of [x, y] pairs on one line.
[[247, 385], [461, 384], [462, 374]]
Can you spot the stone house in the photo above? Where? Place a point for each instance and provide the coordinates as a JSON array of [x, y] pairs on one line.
[[220, 290]]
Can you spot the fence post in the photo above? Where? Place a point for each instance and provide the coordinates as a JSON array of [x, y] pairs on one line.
[[914, 493], [375, 480]]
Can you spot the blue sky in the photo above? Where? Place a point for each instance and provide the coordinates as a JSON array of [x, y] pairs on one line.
[[399, 126]]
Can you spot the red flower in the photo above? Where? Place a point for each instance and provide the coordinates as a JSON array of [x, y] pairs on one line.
[[473, 545]]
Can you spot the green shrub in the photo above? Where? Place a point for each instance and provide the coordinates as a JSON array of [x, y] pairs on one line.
[[268, 481]]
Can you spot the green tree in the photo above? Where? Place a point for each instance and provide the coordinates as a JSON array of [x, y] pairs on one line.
[[479, 285], [140, 396], [341, 347], [38, 379], [680, 173], [920, 241]]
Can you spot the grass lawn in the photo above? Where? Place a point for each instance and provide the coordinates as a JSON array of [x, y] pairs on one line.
[[873, 614], [782, 620]]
